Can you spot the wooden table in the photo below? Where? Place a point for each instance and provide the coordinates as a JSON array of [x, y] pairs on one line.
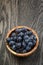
[[30, 13]]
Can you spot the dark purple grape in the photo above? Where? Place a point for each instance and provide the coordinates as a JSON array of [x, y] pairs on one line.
[[24, 30], [34, 37], [26, 37], [13, 34], [15, 38], [18, 45], [21, 34], [30, 44], [24, 51], [11, 43], [14, 47], [29, 33], [23, 44], [28, 48], [8, 40], [34, 42], [19, 39], [18, 30], [17, 51]]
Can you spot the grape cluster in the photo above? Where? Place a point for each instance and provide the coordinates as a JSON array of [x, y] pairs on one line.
[[21, 40]]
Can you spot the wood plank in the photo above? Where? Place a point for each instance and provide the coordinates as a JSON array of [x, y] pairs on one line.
[[9, 14]]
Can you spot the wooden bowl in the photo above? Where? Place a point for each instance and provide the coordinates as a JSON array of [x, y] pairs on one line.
[[24, 54]]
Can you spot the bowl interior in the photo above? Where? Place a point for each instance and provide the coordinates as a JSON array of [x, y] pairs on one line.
[[24, 54]]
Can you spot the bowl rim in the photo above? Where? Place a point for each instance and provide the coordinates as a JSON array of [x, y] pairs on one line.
[[24, 54]]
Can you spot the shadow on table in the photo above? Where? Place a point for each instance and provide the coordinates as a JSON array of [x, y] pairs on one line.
[[29, 60], [32, 59]]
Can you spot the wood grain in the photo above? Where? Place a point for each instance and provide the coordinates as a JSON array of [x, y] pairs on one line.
[[30, 13]]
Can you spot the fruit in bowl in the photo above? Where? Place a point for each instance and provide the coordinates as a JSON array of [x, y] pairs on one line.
[[22, 41]]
